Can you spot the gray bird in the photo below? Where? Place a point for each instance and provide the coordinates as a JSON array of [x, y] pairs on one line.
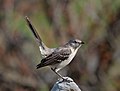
[[56, 58]]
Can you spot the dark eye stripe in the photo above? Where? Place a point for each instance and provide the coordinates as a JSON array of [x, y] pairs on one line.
[[75, 41]]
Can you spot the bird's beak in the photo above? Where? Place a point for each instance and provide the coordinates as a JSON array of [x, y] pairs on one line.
[[82, 42]]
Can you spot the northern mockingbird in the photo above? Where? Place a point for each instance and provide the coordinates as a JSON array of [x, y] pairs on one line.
[[56, 58]]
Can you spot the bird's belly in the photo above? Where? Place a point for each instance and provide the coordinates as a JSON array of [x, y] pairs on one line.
[[65, 62]]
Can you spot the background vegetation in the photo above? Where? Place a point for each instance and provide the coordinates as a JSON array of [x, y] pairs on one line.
[[96, 66]]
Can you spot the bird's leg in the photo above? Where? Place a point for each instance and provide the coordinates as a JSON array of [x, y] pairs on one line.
[[60, 76], [57, 73]]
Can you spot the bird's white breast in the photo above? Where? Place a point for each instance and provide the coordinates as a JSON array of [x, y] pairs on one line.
[[66, 62]]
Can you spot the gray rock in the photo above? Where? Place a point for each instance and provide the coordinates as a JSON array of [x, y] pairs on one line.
[[61, 85]]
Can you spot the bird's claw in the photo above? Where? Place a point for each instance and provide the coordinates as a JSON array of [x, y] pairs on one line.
[[66, 80]]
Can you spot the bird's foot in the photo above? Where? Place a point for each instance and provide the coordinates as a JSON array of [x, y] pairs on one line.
[[65, 79]]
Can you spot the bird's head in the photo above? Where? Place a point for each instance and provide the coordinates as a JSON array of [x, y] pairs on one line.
[[75, 43]]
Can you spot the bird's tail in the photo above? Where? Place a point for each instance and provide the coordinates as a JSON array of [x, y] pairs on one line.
[[38, 39]]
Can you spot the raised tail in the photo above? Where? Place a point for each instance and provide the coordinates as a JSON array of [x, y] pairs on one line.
[[32, 28]]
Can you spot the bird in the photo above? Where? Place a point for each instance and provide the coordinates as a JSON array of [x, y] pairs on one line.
[[55, 58]]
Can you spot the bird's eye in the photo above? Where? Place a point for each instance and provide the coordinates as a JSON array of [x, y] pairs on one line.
[[75, 41]]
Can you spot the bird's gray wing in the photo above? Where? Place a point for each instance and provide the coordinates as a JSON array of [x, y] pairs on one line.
[[56, 57]]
